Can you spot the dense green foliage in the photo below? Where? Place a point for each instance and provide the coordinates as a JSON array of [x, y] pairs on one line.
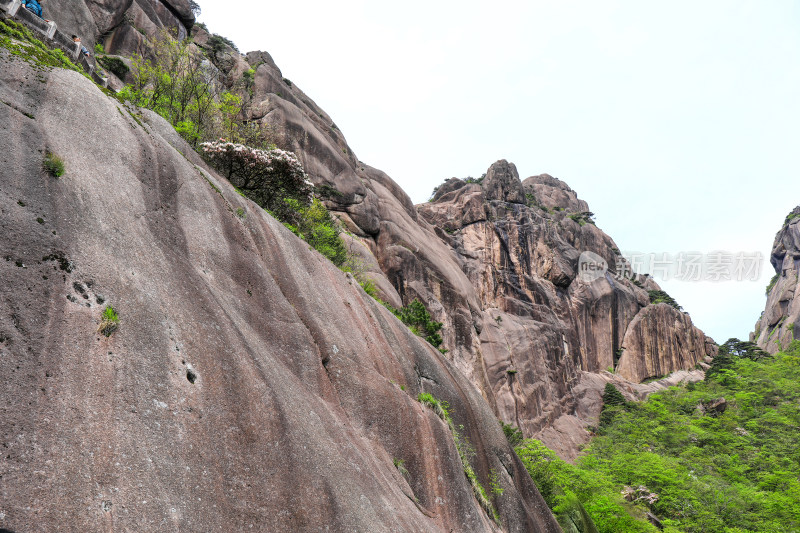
[[513, 434], [613, 402], [733, 348], [612, 396], [569, 488], [114, 65], [729, 470], [176, 82], [658, 297], [315, 225], [418, 320]]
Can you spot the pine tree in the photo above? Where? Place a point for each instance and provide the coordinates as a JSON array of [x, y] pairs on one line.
[[612, 396]]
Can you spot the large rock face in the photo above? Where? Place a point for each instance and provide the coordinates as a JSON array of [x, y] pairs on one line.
[[544, 327], [659, 340], [122, 26], [251, 385], [251, 382], [779, 324], [496, 262]]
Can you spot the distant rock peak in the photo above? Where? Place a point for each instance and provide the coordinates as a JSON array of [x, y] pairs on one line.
[[502, 183], [779, 324]]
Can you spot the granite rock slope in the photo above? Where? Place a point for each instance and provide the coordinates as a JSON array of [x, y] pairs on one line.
[[658, 341], [496, 262], [122, 26], [779, 324], [545, 326], [251, 385]]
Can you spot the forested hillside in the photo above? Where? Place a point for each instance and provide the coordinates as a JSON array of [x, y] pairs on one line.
[[722, 455]]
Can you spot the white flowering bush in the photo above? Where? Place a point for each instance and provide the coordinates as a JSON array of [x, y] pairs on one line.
[[268, 177]]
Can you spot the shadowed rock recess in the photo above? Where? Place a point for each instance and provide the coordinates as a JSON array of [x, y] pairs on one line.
[[250, 383], [779, 324]]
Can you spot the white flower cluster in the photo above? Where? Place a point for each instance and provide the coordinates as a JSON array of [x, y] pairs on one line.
[[251, 157]]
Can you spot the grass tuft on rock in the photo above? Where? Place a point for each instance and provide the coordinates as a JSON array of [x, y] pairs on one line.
[[53, 164], [109, 321]]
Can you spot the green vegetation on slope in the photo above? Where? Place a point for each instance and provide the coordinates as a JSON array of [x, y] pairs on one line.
[[419, 321], [693, 461], [20, 41], [465, 451], [659, 297], [772, 283], [174, 82]]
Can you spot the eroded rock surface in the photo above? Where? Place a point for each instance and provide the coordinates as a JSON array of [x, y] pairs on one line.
[[544, 327], [496, 261], [121, 26], [779, 324], [250, 385], [659, 340]]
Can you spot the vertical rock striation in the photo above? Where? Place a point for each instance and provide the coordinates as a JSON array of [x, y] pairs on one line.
[[495, 261], [779, 324], [250, 385]]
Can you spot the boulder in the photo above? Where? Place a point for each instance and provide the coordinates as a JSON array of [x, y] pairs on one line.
[[453, 184], [715, 407]]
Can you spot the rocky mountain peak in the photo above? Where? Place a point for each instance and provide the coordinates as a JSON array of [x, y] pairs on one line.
[[552, 193], [502, 183], [449, 186]]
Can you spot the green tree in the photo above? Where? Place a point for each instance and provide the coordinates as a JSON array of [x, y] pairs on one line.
[[736, 348], [612, 396], [178, 84], [657, 297]]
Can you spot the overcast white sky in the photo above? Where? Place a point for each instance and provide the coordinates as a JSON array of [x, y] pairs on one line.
[[679, 122]]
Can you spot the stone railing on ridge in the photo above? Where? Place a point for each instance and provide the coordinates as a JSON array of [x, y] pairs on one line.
[[52, 36]]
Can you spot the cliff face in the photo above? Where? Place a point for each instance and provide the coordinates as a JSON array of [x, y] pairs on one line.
[[120, 25], [543, 325], [497, 263], [659, 340], [779, 324], [250, 382]]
